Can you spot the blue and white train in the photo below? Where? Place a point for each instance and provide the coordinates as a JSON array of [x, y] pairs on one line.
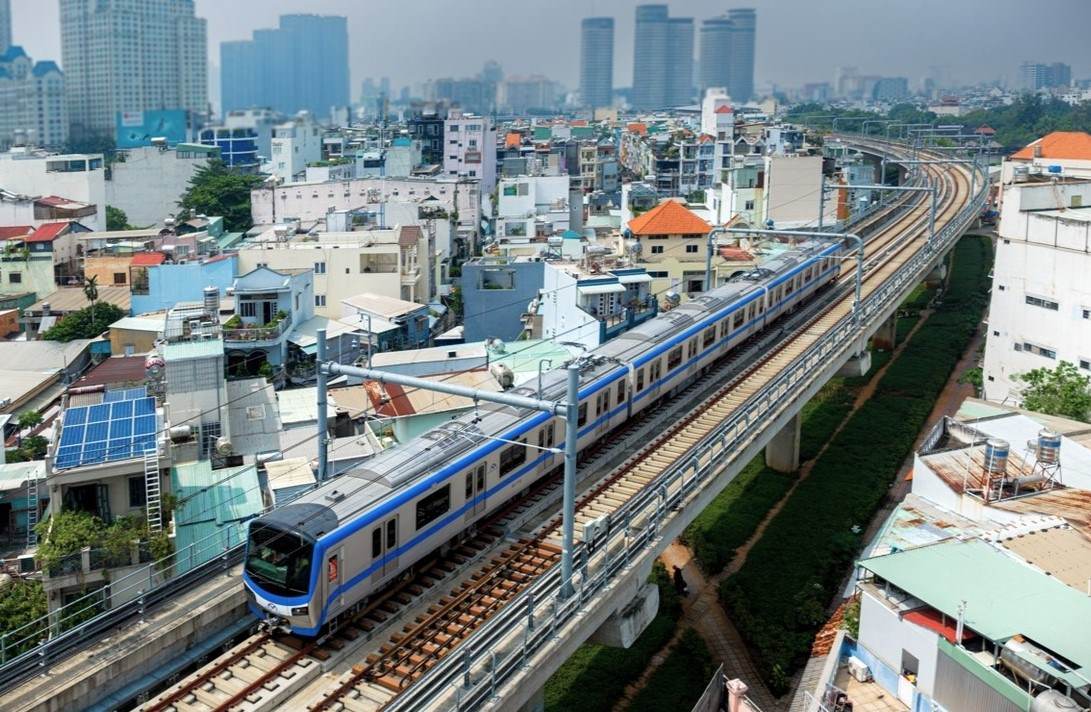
[[323, 555]]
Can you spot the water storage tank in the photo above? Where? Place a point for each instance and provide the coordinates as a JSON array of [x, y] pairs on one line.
[[996, 455], [1053, 701], [1049, 447], [673, 299], [212, 301]]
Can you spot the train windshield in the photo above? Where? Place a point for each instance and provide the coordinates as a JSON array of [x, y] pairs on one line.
[[280, 561]]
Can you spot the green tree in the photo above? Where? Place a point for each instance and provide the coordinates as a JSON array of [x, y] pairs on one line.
[[116, 219], [28, 419], [1060, 391], [84, 324], [90, 290], [216, 189]]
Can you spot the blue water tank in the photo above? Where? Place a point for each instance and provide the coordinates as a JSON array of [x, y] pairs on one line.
[[1056, 168]]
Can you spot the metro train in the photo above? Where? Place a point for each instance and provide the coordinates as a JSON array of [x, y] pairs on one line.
[[322, 556]]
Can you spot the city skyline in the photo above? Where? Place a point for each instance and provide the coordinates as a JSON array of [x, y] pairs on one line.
[[800, 42]]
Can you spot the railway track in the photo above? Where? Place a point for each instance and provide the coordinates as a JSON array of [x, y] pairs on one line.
[[373, 684], [264, 670]]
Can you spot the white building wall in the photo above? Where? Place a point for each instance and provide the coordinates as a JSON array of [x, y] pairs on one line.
[[562, 318], [887, 636], [294, 146], [150, 181], [469, 149], [792, 187], [1041, 295], [29, 175]]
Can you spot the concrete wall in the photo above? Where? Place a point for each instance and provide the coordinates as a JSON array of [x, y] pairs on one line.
[[887, 636], [497, 312], [30, 176], [30, 275], [148, 183], [792, 186], [106, 267], [170, 284], [141, 341]]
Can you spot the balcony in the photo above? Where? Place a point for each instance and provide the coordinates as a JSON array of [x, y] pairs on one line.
[[627, 318], [236, 334]]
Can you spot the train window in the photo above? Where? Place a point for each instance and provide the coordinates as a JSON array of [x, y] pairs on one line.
[[469, 486], [710, 336], [545, 436], [736, 320], [655, 372], [512, 457], [603, 402], [280, 561], [620, 391], [673, 360], [392, 534], [582, 415], [639, 379], [433, 506], [376, 542]]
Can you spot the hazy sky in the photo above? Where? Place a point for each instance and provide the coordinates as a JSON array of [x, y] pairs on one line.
[[798, 40]]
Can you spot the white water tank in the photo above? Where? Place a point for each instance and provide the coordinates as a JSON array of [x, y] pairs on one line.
[[1053, 701]]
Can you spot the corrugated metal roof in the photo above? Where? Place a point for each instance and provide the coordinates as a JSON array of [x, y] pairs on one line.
[[1003, 596], [193, 349], [231, 494]]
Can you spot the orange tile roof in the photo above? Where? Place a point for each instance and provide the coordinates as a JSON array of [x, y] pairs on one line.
[[148, 259], [1060, 145], [15, 231], [637, 128], [48, 232], [669, 218], [513, 139]]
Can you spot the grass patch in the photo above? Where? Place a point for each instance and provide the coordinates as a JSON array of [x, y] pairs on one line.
[[595, 677], [731, 518], [679, 682], [778, 598], [904, 325]]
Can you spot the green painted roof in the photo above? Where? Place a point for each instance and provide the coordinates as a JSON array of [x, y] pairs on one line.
[[229, 239], [523, 356], [542, 133], [1004, 596], [193, 349]]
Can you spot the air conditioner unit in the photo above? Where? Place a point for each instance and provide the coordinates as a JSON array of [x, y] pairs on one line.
[[858, 669]]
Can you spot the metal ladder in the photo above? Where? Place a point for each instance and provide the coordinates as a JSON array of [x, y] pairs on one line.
[[152, 494], [32, 509]]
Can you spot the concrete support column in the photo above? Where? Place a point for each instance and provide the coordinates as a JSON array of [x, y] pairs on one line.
[[937, 275], [886, 338], [782, 452], [857, 366]]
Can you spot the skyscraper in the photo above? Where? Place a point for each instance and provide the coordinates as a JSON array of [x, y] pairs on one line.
[[301, 65], [130, 55], [715, 52], [679, 61], [740, 69], [662, 59], [5, 25], [597, 61]]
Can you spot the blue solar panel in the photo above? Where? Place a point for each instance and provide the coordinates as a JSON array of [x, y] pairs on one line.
[[117, 429], [124, 394]]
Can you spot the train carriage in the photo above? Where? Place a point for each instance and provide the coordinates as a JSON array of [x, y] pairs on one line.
[[323, 555]]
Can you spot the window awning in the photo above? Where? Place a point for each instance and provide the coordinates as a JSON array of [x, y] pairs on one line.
[[634, 278], [596, 289]]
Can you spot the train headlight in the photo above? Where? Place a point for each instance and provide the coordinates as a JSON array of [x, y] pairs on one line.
[[300, 611]]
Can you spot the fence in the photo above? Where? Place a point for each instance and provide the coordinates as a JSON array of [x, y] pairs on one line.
[[471, 675]]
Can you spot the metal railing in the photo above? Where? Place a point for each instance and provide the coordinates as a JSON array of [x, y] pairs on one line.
[[257, 333], [471, 675]]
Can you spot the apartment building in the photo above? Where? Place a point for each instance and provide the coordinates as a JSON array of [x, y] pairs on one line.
[[147, 183], [469, 148], [32, 94], [390, 262], [530, 207], [78, 177], [295, 145], [1040, 307]]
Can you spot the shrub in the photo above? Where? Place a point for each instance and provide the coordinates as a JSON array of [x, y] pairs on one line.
[[678, 683]]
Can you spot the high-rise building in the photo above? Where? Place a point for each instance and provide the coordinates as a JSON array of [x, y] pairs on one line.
[[1035, 75], [715, 52], [300, 65], [597, 61], [679, 61], [32, 94], [131, 55], [650, 57], [662, 59], [740, 68], [5, 25]]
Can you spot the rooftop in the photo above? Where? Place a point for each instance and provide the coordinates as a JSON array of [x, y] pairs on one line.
[[1060, 145], [1003, 597], [205, 348], [300, 405], [670, 217], [70, 299], [114, 370], [389, 400], [381, 306]]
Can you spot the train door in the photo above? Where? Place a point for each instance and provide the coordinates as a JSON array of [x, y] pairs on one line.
[[384, 546], [475, 491]]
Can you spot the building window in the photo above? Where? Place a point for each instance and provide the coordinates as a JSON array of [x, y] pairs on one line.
[[749, 205], [15, 277], [1085, 364], [657, 249], [320, 300], [248, 309], [691, 249], [1039, 350], [320, 268], [658, 275], [119, 278], [1043, 303], [137, 492], [1086, 313]]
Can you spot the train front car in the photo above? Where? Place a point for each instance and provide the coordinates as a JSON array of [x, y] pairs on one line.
[[280, 574]]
